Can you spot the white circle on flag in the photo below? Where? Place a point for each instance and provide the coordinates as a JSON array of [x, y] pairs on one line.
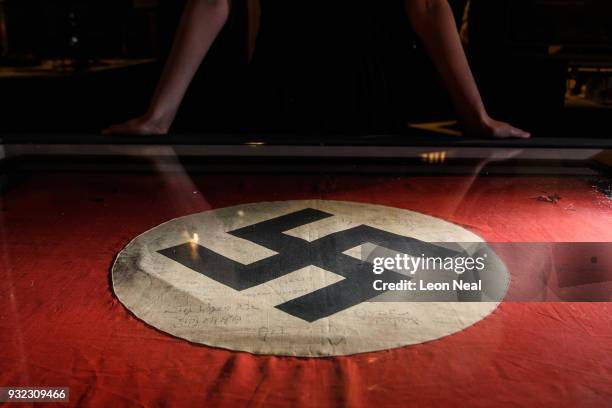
[[255, 278]]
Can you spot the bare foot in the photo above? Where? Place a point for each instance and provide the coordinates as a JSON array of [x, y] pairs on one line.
[[499, 130], [138, 126]]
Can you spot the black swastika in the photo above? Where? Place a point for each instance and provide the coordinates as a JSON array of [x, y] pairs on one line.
[[295, 253]]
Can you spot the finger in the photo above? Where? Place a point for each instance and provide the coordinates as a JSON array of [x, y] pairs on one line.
[[520, 133], [109, 130], [116, 130]]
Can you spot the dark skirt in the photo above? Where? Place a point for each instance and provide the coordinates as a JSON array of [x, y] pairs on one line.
[[333, 66]]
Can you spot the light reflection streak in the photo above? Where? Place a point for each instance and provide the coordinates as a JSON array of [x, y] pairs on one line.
[[11, 297]]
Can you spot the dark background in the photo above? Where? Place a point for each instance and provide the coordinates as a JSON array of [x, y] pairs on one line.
[[509, 48]]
